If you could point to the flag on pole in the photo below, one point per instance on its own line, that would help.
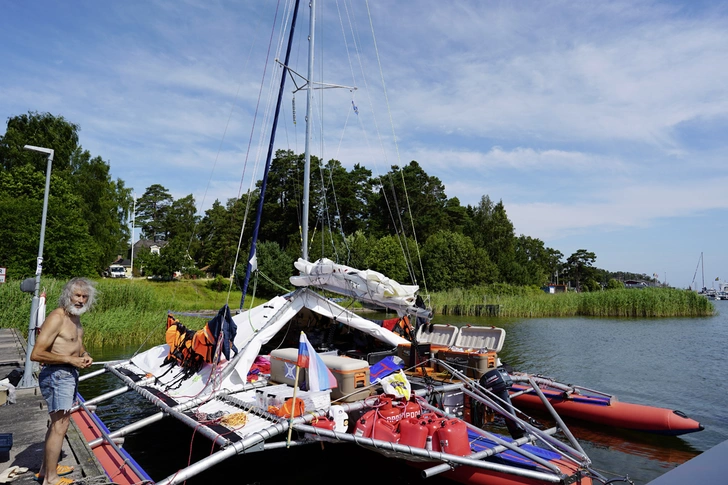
(319, 376)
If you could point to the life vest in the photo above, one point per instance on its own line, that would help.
(181, 352)
(191, 349)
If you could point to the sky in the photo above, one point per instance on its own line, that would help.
(600, 125)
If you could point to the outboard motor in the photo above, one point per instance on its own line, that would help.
(499, 383)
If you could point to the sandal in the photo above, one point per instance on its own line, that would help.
(65, 481)
(61, 470)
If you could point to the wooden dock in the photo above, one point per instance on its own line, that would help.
(27, 420)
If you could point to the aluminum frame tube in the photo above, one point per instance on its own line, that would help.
(203, 430)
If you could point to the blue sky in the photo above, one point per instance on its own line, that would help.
(601, 125)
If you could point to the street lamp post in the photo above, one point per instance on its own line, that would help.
(29, 379)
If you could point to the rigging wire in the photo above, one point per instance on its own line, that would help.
(287, 13)
(396, 145)
(380, 178)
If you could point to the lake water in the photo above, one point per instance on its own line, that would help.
(676, 363)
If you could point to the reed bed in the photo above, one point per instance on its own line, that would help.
(645, 303)
(126, 311)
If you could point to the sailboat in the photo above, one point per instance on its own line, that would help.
(239, 381)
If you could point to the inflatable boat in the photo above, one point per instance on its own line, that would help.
(577, 403)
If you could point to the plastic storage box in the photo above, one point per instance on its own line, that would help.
(475, 350)
(352, 375)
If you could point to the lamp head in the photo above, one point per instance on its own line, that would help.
(47, 151)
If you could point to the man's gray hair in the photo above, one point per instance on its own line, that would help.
(83, 283)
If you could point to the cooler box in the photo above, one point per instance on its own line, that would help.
(431, 339)
(351, 374)
(475, 350)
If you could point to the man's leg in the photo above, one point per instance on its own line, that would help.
(53, 445)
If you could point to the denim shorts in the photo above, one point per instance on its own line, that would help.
(59, 384)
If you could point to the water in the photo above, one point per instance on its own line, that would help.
(674, 363)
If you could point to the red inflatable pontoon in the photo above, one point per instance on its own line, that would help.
(608, 411)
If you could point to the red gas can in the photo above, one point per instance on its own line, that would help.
(413, 432)
(385, 431)
(365, 424)
(324, 422)
(453, 437)
(434, 423)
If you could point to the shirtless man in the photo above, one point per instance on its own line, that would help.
(60, 349)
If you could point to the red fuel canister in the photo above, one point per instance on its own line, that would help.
(453, 437)
(433, 425)
(413, 432)
(385, 431)
(365, 424)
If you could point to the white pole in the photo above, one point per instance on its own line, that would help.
(133, 215)
(309, 121)
(29, 379)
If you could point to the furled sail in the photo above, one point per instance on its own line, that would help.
(365, 285)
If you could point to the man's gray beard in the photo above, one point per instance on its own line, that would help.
(76, 312)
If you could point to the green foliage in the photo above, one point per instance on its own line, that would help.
(452, 261)
(579, 267)
(532, 302)
(218, 283)
(614, 284)
(276, 266)
(151, 212)
(86, 221)
(371, 222)
(127, 311)
(386, 256)
(408, 199)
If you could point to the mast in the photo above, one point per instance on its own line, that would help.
(256, 228)
(309, 112)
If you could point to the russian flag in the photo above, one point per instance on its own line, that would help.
(319, 376)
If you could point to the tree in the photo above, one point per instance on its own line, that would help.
(579, 266)
(452, 261)
(43, 130)
(107, 205)
(275, 264)
(385, 256)
(613, 284)
(151, 212)
(86, 214)
(281, 216)
(538, 262)
(491, 229)
(407, 200)
(342, 198)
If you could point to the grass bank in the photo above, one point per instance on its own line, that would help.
(127, 311)
(647, 302)
(131, 312)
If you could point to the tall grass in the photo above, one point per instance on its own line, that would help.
(126, 312)
(648, 302)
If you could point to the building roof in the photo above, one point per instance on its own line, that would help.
(148, 243)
